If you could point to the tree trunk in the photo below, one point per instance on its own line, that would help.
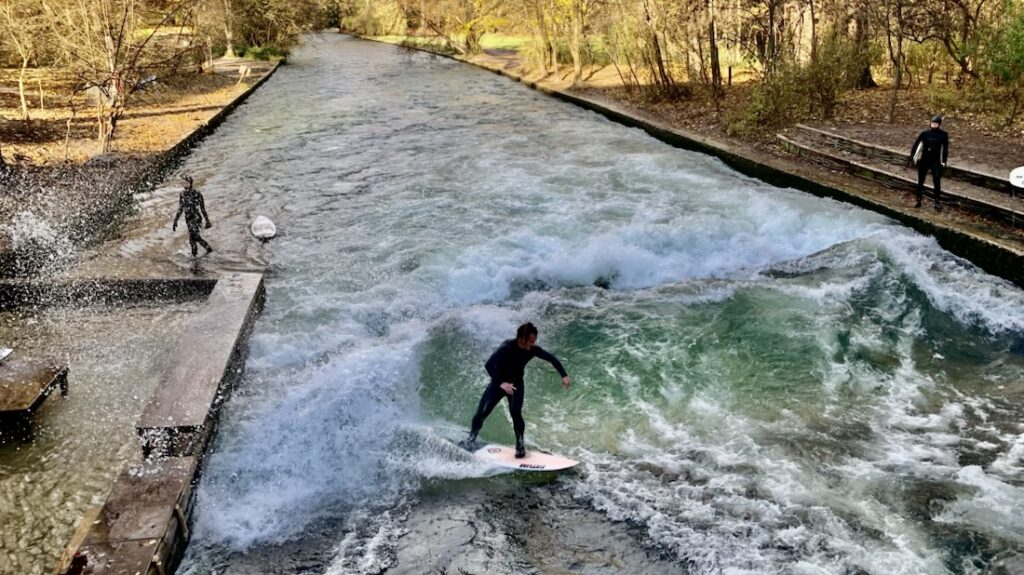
(663, 79)
(814, 33)
(896, 56)
(860, 41)
(770, 60)
(553, 39)
(21, 87)
(545, 49)
(716, 67)
(229, 37)
(473, 36)
(1015, 96)
(101, 128)
(574, 42)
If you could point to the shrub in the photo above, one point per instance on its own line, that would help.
(827, 75)
(266, 53)
(775, 101)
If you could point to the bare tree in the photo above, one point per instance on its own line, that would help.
(21, 24)
(896, 33)
(451, 20)
(229, 34)
(111, 49)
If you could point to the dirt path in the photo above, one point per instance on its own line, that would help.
(159, 117)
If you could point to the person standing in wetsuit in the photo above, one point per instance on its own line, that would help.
(934, 154)
(506, 367)
(192, 205)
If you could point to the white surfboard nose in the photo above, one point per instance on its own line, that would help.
(263, 228)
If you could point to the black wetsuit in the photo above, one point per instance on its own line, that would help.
(192, 205)
(933, 157)
(507, 364)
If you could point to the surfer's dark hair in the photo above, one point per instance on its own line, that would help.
(526, 330)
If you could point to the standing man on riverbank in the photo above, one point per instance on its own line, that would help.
(930, 152)
(506, 367)
(192, 205)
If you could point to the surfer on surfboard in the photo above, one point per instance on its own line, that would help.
(505, 367)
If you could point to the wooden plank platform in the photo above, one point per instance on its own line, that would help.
(181, 412)
(26, 383)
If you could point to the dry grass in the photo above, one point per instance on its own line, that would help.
(159, 116)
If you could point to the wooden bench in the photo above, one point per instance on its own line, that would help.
(26, 383)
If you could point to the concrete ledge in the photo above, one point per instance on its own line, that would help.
(142, 528)
(16, 293)
(181, 414)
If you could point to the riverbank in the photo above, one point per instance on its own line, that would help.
(993, 246)
(56, 198)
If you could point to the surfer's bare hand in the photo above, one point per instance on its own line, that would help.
(508, 388)
(565, 382)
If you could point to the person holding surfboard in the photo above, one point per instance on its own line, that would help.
(192, 205)
(930, 153)
(505, 368)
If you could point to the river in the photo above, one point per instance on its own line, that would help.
(763, 381)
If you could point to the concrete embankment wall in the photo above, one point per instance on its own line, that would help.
(997, 258)
(143, 526)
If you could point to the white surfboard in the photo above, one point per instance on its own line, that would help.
(4, 352)
(263, 228)
(918, 152)
(504, 456)
(1017, 177)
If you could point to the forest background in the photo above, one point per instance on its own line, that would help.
(748, 66)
